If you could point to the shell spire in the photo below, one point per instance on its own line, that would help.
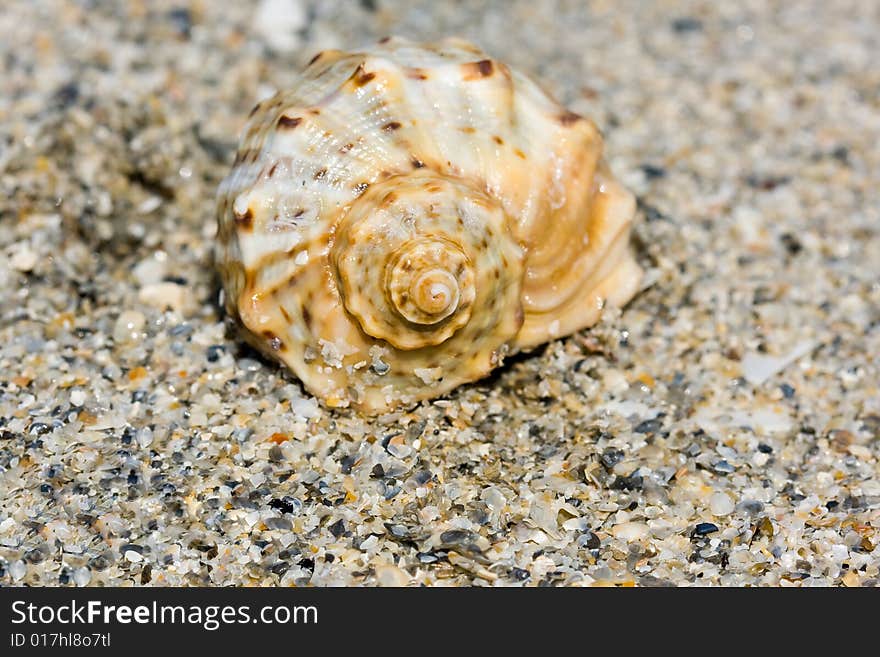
(406, 216)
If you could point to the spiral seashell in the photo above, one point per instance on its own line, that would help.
(407, 216)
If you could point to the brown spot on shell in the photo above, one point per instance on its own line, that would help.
(468, 129)
(285, 313)
(255, 109)
(272, 170)
(477, 70)
(360, 77)
(568, 117)
(417, 163)
(416, 74)
(320, 173)
(519, 153)
(315, 58)
(244, 220)
(391, 126)
(498, 140)
(307, 316)
(288, 122)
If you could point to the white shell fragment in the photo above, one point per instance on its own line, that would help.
(407, 216)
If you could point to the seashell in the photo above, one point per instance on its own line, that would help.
(407, 216)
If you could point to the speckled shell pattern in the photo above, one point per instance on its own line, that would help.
(407, 216)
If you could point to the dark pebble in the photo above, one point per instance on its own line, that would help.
(214, 352)
(787, 391)
(456, 537)
(181, 329)
(280, 568)
(686, 24)
(423, 476)
(631, 482)
(378, 471)
(649, 426)
(841, 154)
(337, 528)
(853, 502)
(400, 531)
(705, 528)
(66, 95)
(791, 243)
(652, 172)
(589, 540)
(100, 562)
(181, 19)
(346, 463)
(764, 448)
(37, 555)
(38, 429)
(611, 457)
(519, 574)
(723, 467)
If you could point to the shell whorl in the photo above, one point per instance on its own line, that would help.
(405, 216)
(418, 256)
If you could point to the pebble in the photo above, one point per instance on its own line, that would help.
(391, 576)
(77, 397)
(145, 437)
(721, 504)
(278, 23)
(82, 576)
(152, 269)
(133, 556)
(129, 326)
(23, 259)
(17, 570)
(704, 528)
(630, 531)
(164, 295)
